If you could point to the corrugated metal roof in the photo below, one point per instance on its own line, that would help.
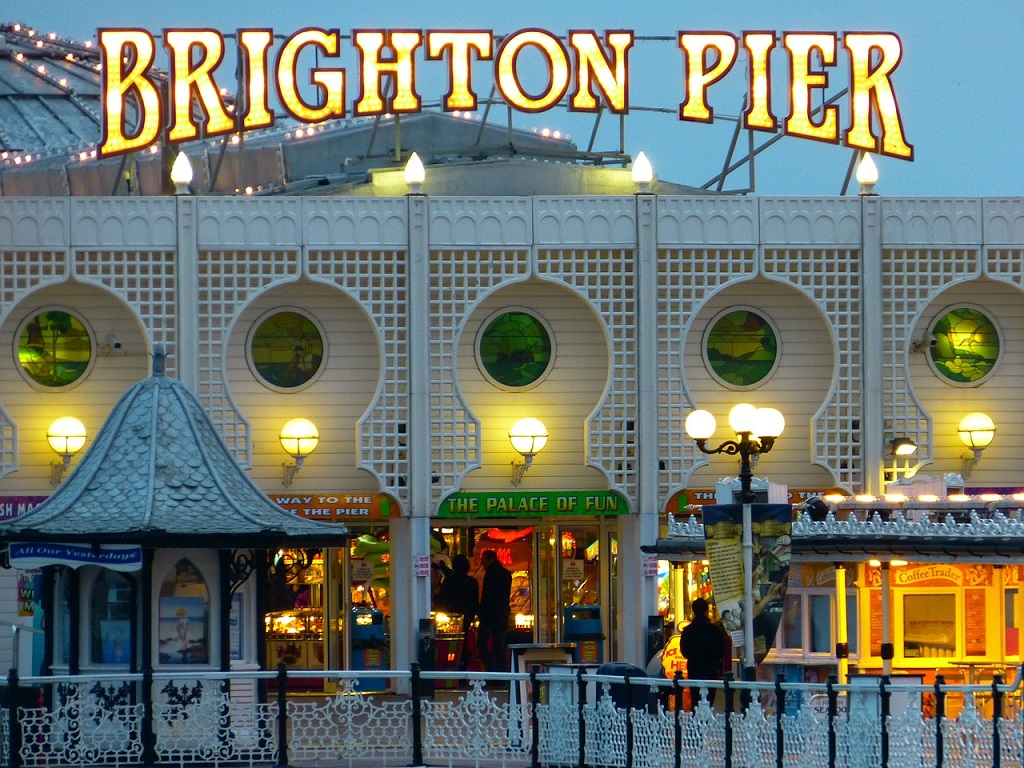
(158, 473)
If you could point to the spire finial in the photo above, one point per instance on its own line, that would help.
(159, 359)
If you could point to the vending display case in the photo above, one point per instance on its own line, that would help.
(296, 638)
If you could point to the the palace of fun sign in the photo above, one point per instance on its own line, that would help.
(586, 70)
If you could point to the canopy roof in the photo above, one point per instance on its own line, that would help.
(158, 474)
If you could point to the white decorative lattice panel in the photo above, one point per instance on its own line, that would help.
(377, 280)
(832, 280)
(229, 279)
(458, 280)
(686, 279)
(607, 279)
(147, 282)
(912, 279)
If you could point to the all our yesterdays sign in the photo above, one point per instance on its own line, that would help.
(586, 71)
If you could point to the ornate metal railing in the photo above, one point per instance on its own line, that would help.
(563, 716)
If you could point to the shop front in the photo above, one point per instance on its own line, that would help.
(562, 551)
(331, 608)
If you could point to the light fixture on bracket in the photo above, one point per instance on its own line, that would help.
(299, 438)
(527, 436)
(902, 446)
(976, 431)
(66, 437)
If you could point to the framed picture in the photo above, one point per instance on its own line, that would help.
(116, 641)
(183, 631)
(236, 627)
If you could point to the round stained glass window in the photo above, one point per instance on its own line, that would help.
(964, 345)
(286, 349)
(741, 348)
(54, 348)
(514, 348)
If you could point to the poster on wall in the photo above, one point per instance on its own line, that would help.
(183, 631)
(771, 533)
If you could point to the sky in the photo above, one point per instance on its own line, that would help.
(960, 84)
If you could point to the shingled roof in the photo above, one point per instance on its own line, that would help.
(158, 474)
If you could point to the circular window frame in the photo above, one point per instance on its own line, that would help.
(90, 334)
(930, 338)
(479, 339)
(252, 364)
(706, 335)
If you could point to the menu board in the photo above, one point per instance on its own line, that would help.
(974, 621)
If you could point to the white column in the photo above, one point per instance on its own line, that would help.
(873, 419)
(410, 543)
(186, 351)
(637, 592)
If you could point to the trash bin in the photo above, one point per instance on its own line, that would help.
(369, 648)
(638, 695)
(582, 625)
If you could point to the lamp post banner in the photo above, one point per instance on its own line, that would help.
(771, 526)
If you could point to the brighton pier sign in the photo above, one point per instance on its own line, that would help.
(587, 70)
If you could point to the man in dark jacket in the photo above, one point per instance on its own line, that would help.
(460, 593)
(494, 610)
(703, 644)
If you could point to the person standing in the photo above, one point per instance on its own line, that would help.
(459, 593)
(704, 646)
(494, 611)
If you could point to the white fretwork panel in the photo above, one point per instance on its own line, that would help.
(468, 221)
(832, 279)
(1006, 264)
(936, 223)
(911, 280)
(22, 272)
(687, 278)
(708, 220)
(803, 222)
(458, 281)
(34, 223)
(607, 280)
(1004, 221)
(147, 281)
(227, 281)
(351, 222)
(230, 222)
(377, 280)
(125, 222)
(599, 221)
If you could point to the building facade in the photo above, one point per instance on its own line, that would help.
(417, 329)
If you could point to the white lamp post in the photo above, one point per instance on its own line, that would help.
(756, 430)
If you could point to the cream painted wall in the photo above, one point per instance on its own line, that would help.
(563, 400)
(798, 386)
(334, 401)
(999, 395)
(34, 408)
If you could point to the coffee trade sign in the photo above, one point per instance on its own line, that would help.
(592, 69)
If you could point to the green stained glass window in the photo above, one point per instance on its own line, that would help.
(54, 348)
(965, 345)
(741, 348)
(286, 349)
(515, 349)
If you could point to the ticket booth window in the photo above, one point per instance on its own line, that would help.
(110, 603)
(1011, 634)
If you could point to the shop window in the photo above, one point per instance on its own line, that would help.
(184, 629)
(515, 349)
(1011, 635)
(54, 348)
(929, 625)
(808, 624)
(286, 350)
(964, 345)
(741, 348)
(110, 612)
